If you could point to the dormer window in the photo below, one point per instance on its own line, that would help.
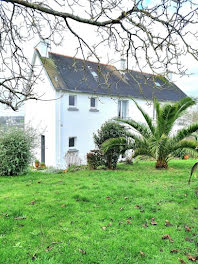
(157, 84)
(93, 73)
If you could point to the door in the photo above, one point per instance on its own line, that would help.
(42, 148)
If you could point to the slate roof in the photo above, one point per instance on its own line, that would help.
(76, 75)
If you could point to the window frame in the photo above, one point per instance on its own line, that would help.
(120, 104)
(75, 100)
(93, 107)
(74, 146)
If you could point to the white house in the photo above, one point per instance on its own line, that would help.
(78, 96)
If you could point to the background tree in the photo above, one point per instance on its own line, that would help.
(152, 35)
(157, 140)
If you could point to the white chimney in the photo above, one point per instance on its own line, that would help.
(43, 47)
(122, 64)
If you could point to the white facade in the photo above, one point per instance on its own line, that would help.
(61, 124)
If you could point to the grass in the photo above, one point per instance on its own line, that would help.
(100, 216)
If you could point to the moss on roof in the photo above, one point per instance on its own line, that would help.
(52, 72)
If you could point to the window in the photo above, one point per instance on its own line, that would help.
(94, 74)
(122, 108)
(157, 84)
(72, 100)
(93, 102)
(72, 142)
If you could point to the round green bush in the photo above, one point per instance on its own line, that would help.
(15, 151)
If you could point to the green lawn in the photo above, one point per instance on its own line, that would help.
(100, 216)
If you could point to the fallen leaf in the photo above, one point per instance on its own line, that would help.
(137, 207)
(63, 205)
(167, 223)
(129, 222)
(174, 251)
(49, 248)
(82, 251)
(108, 197)
(142, 254)
(110, 224)
(187, 228)
(145, 225)
(192, 258)
(104, 227)
(167, 237)
(33, 202)
(20, 218)
(153, 222)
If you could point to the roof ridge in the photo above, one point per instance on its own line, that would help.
(67, 56)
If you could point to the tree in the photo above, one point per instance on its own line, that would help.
(149, 34)
(108, 130)
(157, 140)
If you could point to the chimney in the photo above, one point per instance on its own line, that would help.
(122, 64)
(43, 47)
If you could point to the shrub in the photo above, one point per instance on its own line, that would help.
(15, 151)
(110, 129)
(95, 159)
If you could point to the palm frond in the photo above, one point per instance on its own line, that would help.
(142, 152)
(146, 117)
(169, 113)
(122, 143)
(192, 171)
(188, 144)
(183, 104)
(185, 132)
(139, 127)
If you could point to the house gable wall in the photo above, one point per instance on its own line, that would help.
(41, 115)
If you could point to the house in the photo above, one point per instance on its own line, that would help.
(78, 96)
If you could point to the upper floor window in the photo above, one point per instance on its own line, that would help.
(93, 102)
(122, 108)
(72, 100)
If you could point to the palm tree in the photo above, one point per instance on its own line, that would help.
(157, 139)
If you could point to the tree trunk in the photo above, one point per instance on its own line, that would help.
(161, 164)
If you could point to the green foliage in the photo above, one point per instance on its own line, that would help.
(110, 129)
(95, 159)
(157, 140)
(15, 151)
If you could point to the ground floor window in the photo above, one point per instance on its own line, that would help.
(72, 142)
